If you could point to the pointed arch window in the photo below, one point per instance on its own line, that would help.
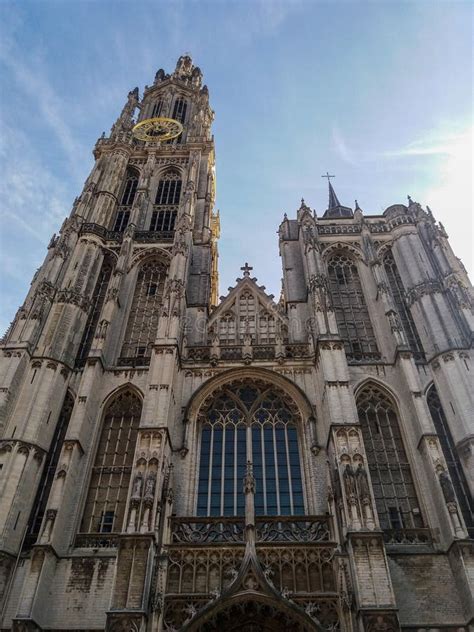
(227, 329)
(129, 188)
(157, 107)
(98, 299)
(350, 308)
(463, 494)
(169, 189)
(398, 293)
(142, 324)
(179, 110)
(47, 476)
(248, 314)
(392, 481)
(252, 422)
(108, 488)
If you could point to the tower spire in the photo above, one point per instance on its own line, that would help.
(333, 201)
(335, 208)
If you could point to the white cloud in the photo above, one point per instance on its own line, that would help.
(34, 82)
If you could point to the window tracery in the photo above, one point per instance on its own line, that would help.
(394, 489)
(464, 497)
(350, 308)
(398, 293)
(98, 299)
(255, 422)
(129, 188)
(247, 317)
(142, 324)
(47, 476)
(157, 107)
(108, 488)
(169, 188)
(179, 110)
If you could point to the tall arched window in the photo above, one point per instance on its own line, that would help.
(167, 199)
(169, 188)
(463, 494)
(398, 293)
(156, 110)
(256, 422)
(179, 110)
(108, 487)
(98, 299)
(142, 324)
(47, 476)
(352, 315)
(129, 190)
(392, 481)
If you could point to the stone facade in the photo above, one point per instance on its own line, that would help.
(121, 364)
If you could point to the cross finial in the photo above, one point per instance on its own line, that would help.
(246, 269)
(328, 176)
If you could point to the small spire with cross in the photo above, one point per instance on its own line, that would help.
(246, 269)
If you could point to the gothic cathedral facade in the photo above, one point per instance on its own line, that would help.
(175, 461)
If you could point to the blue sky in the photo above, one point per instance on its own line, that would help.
(378, 93)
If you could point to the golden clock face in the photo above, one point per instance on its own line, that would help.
(157, 129)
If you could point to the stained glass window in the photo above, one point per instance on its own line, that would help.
(256, 423)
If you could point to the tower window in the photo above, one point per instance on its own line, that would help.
(108, 489)
(47, 477)
(121, 221)
(142, 324)
(249, 421)
(179, 110)
(106, 522)
(129, 188)
(163, 220)
(157, 107)
(394, 490)
(350, 308)
(169, 189)
(398, 293)
(98, 298)
(465, 500)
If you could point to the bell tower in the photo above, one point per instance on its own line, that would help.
(135, 261)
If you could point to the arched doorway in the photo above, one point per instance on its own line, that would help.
(254, 615)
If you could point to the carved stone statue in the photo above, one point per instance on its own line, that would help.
(137, 486)
(447, 488)
(349, 481)
(362, 482)
(249, 480)
(150, 487)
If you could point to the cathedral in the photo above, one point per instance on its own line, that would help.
(172, 460)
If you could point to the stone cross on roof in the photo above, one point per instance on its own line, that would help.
(246, 269)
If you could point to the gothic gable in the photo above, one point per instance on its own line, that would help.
(248, 312)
